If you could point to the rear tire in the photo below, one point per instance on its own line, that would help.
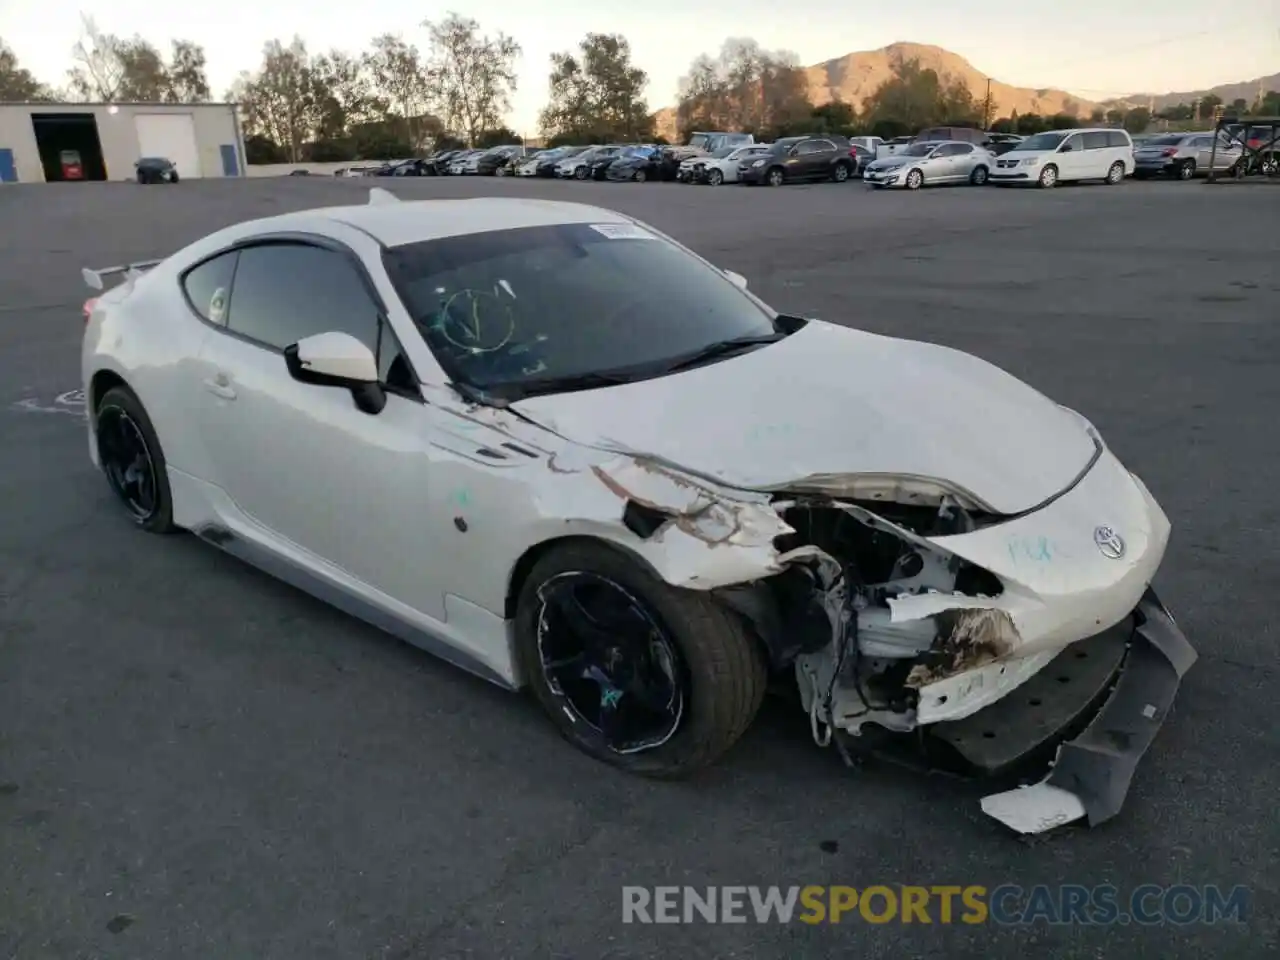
(841, 172)
(120, 416)
(979, 176)
(720, 669)
(1186, 169)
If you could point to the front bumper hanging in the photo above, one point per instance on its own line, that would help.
(1091, 774)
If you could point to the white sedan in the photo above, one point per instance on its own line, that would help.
(722, 166)
(559, 449)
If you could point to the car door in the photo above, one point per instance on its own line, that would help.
(1073, 164)
(299, 465)
(818, 161)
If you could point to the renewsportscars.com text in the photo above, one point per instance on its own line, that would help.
(1068, 904)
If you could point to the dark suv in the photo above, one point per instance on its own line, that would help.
(156, 170)
(800, 159)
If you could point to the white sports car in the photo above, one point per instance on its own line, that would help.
(558, 448)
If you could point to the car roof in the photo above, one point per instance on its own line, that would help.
(395, 224)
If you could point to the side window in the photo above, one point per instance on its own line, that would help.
(1117, 138)
(824, 146)
(208, 287)
(807, 147)
(961, 149)
(287, 291)
(1095, 141)
(1075, 143)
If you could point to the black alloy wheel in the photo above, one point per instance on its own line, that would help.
(609, 661)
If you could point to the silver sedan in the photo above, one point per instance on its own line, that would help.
(947, 161)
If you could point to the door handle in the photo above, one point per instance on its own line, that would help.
(220, 386)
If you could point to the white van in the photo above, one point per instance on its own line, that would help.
(1054, 156)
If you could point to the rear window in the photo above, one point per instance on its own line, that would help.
(506, 307)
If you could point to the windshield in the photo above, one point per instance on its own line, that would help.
(1043, 141)
(512, 307)
(918, 150)
(700, 140)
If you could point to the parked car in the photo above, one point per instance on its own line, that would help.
(1001, 143)
(599, 166)
(496, 162)
(1185, 155)
(636, 163)
(571, 166)
(722, 166)
(437, 164)
(156, 170)
(1264, 147)
(1050, 158)
(546, 162)
(436, 373)
(869, 144)
(710, 142)
(929, 163)
(972, 135)
(887, 148)
(583, 166)
(799, 159)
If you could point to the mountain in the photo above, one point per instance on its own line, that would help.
(855, 76)
(1227, 92)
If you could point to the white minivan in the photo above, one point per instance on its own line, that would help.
(1049, 158)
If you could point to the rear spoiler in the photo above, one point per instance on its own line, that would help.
(94, 278)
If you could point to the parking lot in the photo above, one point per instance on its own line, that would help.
(197, 761)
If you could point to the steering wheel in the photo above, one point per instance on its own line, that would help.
(475, 322)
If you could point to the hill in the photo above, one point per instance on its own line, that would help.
(1246, 90)
(855, 76)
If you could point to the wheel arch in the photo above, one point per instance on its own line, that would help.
(750, 602)
(523, 567)
(102, 381)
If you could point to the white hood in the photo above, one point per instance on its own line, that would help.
(833, 401)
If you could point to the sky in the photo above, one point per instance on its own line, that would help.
(1098, 50)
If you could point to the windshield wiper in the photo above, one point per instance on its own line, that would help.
(523, 389)
(721, 348)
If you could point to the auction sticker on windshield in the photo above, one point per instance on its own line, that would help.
(622, 231)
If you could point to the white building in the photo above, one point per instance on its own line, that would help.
(38, 140)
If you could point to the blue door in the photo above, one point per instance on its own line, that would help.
(230, 163)
(8, 172)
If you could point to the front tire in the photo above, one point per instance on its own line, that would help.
(1048, 177)
(1186, 170)
(580, 173)
(715, 177)
(634, 672)
(133, 460)
(776, 178)
(915, 180)
(640, 176)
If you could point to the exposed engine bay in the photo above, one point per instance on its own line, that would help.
(854, 664)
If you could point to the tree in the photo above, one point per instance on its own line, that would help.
(17, 83)
(144, 78)
(1028, 124)
(109, 68)
(744, 88)
(1115, 117)
(597, 93)
(1137, 119)
(344, 95)
(1208, 103)
(1097, 115)
(474, 74)
(1063, 121)
(280, 101)
(400, 83)
(188, 82)
(98, 71)
(498, 137)
(920, 98)
(1269, 105)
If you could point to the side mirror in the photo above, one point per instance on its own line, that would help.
(737, 279)
(338, 360)
(1066, 148)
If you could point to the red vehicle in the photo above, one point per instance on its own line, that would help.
(72, 169)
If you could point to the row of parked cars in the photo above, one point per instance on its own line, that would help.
(935, 156)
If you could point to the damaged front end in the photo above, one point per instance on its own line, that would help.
(898, 642)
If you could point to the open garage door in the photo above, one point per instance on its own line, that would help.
(170, 135)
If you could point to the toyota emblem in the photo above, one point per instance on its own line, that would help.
(1110, 543)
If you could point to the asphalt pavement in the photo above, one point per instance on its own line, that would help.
(197, 761)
